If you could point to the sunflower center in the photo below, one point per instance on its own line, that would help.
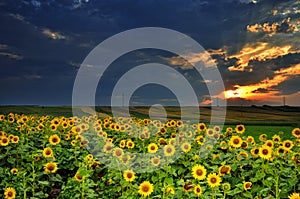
(265, 151)
(240, 128)
(244, 145)
(79, 177)
(108, 148)
(256, 151)
(236, 141)
(224, 170)
(198, 189)
(129, 175)
(287, 145)
(152, 147)
(186, 146)
(10, 194)
(169, 150)
(118, 152)
(213, 180)
(199, 172)
(50, 167)
(248, 185)
(48, 152)
(145, 188)
(269, 144)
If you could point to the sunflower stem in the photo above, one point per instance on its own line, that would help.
(82, 189)
(276, 183)
(214, 193)
(24, 186)
(33, 178)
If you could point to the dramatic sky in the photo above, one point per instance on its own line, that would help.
(254, 43)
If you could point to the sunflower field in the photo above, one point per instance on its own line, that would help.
(94, 157)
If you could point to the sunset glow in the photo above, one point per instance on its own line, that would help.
(263, 89)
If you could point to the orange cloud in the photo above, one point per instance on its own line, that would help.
(260, 51)
(185, 61)
(250, 91)
(206, 102)
(53, 35)
(284, 27)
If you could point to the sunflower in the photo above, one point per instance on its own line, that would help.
(172, 141)
(162, 141)
(14, 171)
(224, 169)
(287, 145)
(276, 138)
(152, 148)
(108, 147)
(76, 129)
(269, 143)
(15, 139)
(280, 150)
(262, 137)
(40, 127)
(145, 188)
(53, 127)
(247, 185)
(130, 144)
(10, 193)
(65, 124)
(4, 141)
(294, 196)
(296, 132)
(122, 143)
(235, 141)
(118, 152)
(169, 150)
(200, 139)
(129, 175)
(201, 127)
(210, 132)
(255, 152)
(188, 186)
(186, 147)
(229, 130)
(78, 177)
(88, 158)
(250, 139)
(244, 145)
(73, 142)
(155, 161)
(125, 159)
(265, 152)
(179, 123)
(242, 155)
(170, 190)
(213, 180)
(47, 152)
(54, 139)
(50, 167)
(197, 190)
(226, 186)
(240, 129)
(199, 172)
(223, 145)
